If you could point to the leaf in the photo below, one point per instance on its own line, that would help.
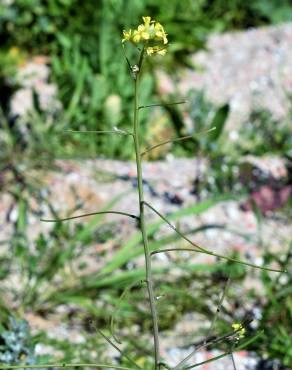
(219, 122)
(64, 40)
(22, 216)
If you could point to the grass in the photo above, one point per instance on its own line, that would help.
(113, 278)
(114, 297)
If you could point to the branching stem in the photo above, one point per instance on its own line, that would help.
(149, 280)
(207, 343)
(123, 354)
(198, 248)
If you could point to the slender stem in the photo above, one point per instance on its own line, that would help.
(230, 259)
(201, 249)
(90, 214)
(177, 139)
(117, 131)
(218, 309)
(205, 342)
(149, 280)
(238, 347)
(122, 353)
(64, 365)
(232, 360)
(113, 318)
(126, 58)
(161, 104)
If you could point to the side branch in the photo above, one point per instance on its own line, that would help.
(113, 317)
(90, 214)
(114, 131)
(177, 139)
(162, 104)
(122, 353)
(201, 249)
(208, 341)
(239, 347)
(64, 365)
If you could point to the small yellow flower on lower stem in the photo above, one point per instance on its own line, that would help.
(240, 330)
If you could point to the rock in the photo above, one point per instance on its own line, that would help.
(34, 76)
(247, 69)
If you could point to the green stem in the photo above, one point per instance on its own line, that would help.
(89, 214)
(117, 131)
(200, 249)
(241, 346)
(161, 104)
(122, 353)
(177, 139)
(205, 343)
(149, 280)
(64, 365)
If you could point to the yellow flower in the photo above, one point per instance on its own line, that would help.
(127, 35)
(143, 32)
(152, 50)
(239, 329)
(160, 33)
(145, 35)
(148, 32)
(147, 20)
(22, 357)
(136, 37)
(161, 52)
(161, 36)
(14, 51)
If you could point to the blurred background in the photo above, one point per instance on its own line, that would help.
(62, 68)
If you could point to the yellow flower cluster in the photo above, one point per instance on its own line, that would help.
(239, 329)
(149, 31)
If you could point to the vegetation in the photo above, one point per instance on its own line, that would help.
(87, 64)
(82, 41)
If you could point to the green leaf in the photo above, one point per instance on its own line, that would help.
(219, 122)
